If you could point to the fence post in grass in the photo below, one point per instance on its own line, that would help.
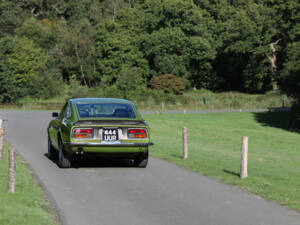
(185, 143)
(162, 107)
(11, 172)
(244, 158)
(1, 139)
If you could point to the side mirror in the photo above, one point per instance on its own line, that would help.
(55, 114)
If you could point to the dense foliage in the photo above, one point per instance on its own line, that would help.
(116, 47)
(168, 83)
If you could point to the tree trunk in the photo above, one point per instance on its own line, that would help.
(273, 65)
(114, 14)
(81, 67)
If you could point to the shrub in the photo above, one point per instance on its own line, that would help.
(140, 94)
(74, 89)
(113, 92)
(130, 80)
(168, 83)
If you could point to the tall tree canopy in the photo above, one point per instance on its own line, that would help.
(249, 46)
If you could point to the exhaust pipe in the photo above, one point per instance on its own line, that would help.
(79, 151)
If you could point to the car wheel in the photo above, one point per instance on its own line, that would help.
(142, 160)
(52, 153)
(63, 159)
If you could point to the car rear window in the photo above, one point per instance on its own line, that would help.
(98, 110)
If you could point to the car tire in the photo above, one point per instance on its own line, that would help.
(142, 160)
(64, 160)
(52, 153)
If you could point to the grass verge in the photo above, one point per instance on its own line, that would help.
(214, 142)
(28, 206)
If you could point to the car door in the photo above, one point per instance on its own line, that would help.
(65, 123)
(55, 127)
(52, 132)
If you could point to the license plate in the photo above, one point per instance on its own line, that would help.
(110, 135)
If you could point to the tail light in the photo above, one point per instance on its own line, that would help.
(137, 133)
(82, 133)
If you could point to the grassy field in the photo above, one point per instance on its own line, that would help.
(28, 206)
(192, 100)
(215, 150)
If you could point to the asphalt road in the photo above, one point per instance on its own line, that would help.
(161, 194)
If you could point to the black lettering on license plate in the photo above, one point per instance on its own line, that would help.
(110, 135)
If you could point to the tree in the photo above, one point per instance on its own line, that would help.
(24, 71)
(115, 51)
(174, 37)
(290, 78)
(247, 46)
(41, 32)
(245, 30)
(11, 16)
(75, 52)
(111, 8)
(290, 72)
(7, 89)
(20, 64)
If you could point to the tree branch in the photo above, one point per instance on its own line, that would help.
(272, 45)
(56, 9)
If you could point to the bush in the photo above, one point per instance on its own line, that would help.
(130, 81)
(113, 92)
(48, 84)
(75, 90)
(168, 83)
(140, 94)
(22, 67)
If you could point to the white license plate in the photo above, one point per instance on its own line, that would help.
(110, 135)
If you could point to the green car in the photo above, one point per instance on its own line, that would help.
(98, 127)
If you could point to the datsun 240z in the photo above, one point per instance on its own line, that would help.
(98, 127)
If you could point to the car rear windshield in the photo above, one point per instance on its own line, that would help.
(113, 110)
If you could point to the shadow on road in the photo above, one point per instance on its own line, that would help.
(99, 163)
(274, 119)
(89, 163)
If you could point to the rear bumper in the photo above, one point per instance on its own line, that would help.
(91, 144)
(99, 148)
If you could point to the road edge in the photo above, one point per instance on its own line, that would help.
(57, 213)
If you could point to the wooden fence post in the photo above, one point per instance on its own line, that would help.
(244, 158)
(184, 143)
(162, 107)
(11, 172)
(1, 139)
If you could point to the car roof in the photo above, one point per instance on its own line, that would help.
(99, 100)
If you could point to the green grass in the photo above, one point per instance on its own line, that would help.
(192, 100)
(235, 100)
(28, 205)
(214, 142)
